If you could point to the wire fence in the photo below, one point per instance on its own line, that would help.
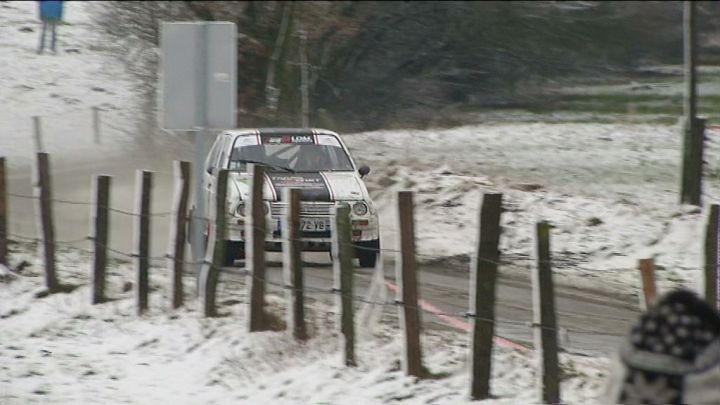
(465, 316)
(509, 258)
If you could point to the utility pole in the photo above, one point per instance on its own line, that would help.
(304, 80)
(694, 127)
(272, 93)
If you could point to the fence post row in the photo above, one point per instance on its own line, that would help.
(292, 264)
(100, 237)
(96, 124)
(46, 218)
(482, 297)
(178, 230)
(144, 183)
(37, 135)
(407, 286)
(647, 276)
(343, 276)
(544, 318)
(255, 230)
(712, 257)
(3, 215)
(216, 248)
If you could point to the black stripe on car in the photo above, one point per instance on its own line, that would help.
(312, 186)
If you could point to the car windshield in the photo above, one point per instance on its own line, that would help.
(326, 155)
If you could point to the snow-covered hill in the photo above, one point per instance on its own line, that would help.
(60, 88)
(609, 190)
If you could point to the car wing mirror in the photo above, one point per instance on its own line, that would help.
(364, 170)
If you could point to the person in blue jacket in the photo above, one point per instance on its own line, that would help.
(51, 15)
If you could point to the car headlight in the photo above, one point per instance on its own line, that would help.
(240, 209)
(360, 208)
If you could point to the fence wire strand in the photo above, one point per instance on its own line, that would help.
(512, 258)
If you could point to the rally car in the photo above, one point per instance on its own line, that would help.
(317, 162)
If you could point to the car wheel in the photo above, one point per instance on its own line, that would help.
(368, 252)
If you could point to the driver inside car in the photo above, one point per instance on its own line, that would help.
(311, 158)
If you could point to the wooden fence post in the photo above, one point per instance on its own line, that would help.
(407, 286)
(100, 237)
(343, 277)
(44, 190)
(144, 184)
(255, 230)
(647, 275)
(96, 124)
(544, 318)
(482, 299)
(3, 215)
(178, 230)
(216, 247)
(292, 264)
(712, 252)
(37, 135)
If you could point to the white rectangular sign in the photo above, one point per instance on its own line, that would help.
(198, 75)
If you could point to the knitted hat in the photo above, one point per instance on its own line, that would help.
(672, 356)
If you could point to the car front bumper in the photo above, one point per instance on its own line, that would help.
(318, 221)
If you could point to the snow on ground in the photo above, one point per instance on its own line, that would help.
(60, 88)
(609, 190)
(60, 349)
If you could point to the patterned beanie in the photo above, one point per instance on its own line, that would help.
(672, 356)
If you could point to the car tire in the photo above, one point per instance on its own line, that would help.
(233, 250)
(368, 252)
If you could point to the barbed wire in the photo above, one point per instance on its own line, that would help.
(454, 315)
(85, 203)
(462, 316)
(502, 262)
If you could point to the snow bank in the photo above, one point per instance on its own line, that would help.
(60, 350)
(609, 190)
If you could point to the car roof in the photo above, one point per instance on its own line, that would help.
(278, 131)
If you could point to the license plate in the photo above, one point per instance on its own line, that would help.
(314, 225)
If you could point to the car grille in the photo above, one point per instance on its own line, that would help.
(312, 209)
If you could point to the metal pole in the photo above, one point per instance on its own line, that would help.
(717, 264)
(304, 80)
(199, 216)
(691, 186)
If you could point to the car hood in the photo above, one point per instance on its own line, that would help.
(316, 186)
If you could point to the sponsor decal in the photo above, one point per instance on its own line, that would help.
(312, 186)
(287, 139)
(329, 140)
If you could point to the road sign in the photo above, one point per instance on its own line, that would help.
(198, 77)
(198, 90)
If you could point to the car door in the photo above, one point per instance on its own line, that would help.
(209, 180)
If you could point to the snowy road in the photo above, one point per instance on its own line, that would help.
(591, 323)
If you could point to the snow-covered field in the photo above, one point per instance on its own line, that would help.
(61, 350)
(609, 190)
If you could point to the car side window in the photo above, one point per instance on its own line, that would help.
(224, 146)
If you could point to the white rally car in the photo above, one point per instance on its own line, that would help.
(317, 162)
